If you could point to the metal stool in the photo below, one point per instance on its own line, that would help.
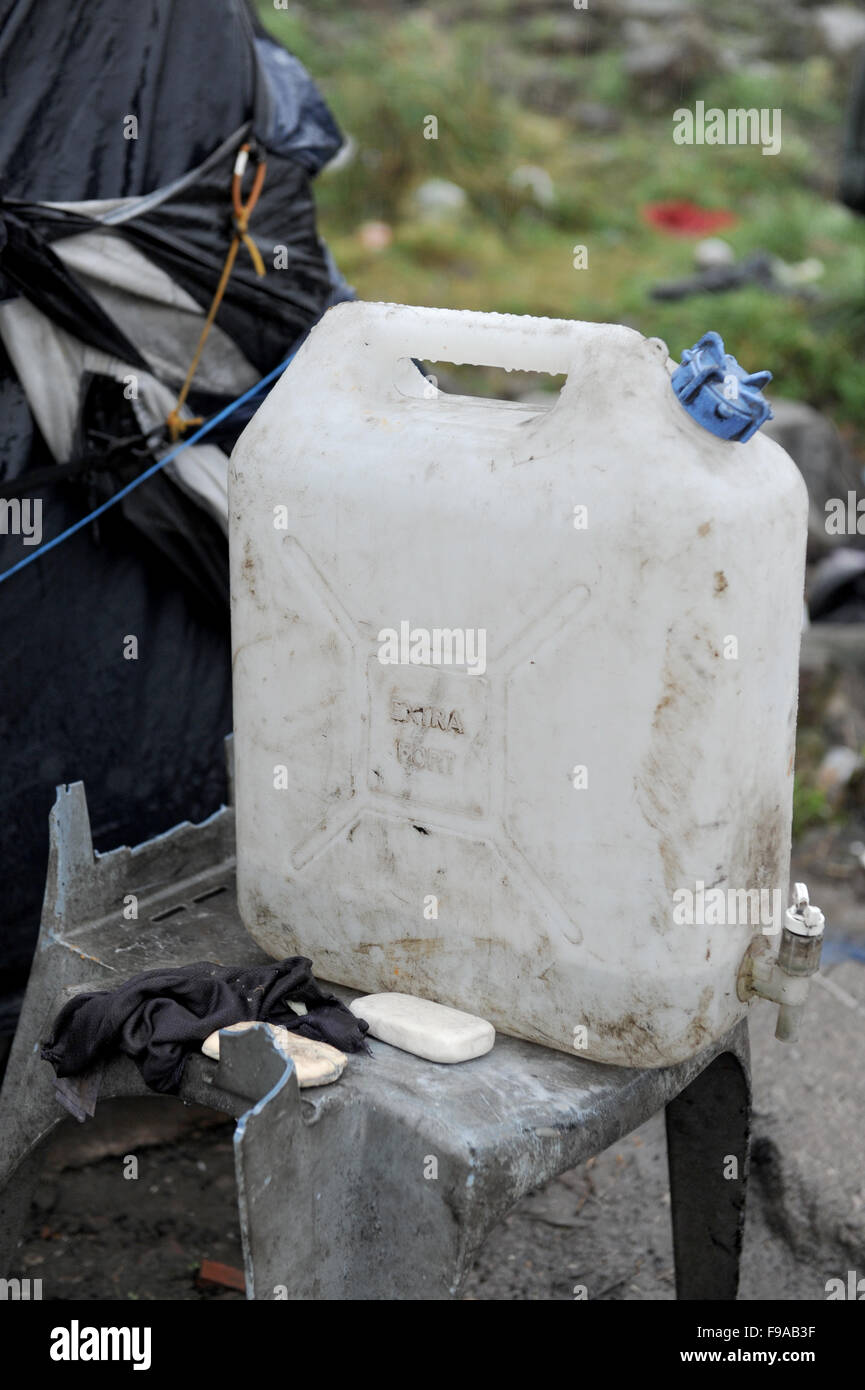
(334, 1184)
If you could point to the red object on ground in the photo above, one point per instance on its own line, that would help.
(222, 1276)
(681, 218)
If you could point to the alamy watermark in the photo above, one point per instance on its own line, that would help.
(22, 516)
(713, 907)
(852, 1288)
(845, 518)
(18, 1290)
(438, 646)
(737, 126)
(77, 1343)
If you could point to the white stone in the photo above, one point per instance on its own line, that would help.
(316, 1063)
(437, 199)
(428, 1030)
(536, 181)
(841, 28)
(713, 251)
(836, 769)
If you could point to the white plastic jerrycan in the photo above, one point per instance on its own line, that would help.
(515, 687)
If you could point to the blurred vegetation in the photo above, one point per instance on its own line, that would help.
(506, 80)
(509, 82)
(810, 807)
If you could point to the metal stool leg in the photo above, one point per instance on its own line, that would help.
(708, 1132)
(336, 1209)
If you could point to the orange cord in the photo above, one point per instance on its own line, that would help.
(242, 212)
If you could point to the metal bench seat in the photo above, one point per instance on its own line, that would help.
(385, 1184)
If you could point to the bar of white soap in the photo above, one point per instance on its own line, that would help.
(426, 1029)
(315, 1063)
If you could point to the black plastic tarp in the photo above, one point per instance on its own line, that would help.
(198, 78)
(72, 72)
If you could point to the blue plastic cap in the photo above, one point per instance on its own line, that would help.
(718, 393)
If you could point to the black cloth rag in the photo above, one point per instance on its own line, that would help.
(158, 1017)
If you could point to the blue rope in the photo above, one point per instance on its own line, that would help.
(149, 472)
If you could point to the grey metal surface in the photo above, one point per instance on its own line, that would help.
(384, 1185)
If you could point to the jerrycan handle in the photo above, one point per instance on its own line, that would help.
(371, 338)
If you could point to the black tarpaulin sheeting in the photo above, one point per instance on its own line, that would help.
(72, 71)
(198, 78)
(145, 736)
(852, 180)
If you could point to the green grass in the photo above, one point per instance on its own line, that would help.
(810, 807)
(384, 70)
